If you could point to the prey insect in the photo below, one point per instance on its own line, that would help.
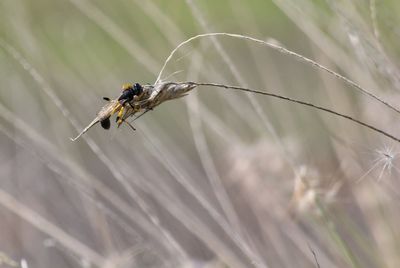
(137, 98)
(143, 98)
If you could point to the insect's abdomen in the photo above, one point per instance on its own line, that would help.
(105, 123)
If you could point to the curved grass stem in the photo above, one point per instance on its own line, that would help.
(283, 51)
(314, 106)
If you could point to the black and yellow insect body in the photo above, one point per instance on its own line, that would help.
(137, 98)
(130, 94)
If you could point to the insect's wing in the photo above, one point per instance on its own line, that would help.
(102, 116)
(94, 122)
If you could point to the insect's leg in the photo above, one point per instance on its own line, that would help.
(132, 106)
(115, 109)
(136, 107)
(119, 116)
(129, 124)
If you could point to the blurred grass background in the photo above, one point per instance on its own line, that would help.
(209, 180)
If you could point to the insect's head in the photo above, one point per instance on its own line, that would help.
(129, 91)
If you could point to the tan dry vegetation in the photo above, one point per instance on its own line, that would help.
(218, 178)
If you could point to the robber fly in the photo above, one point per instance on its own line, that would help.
(126, 103)
(137, 98)
(130, 95)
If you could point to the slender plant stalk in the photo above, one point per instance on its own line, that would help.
(44, 86)
(372, 9)
(283, 51)
(336, 237)
(315, 256)
(49, 228)
(354, 120)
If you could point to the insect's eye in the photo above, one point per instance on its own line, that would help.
(138, 89)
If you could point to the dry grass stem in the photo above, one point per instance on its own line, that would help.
(354, 120)
(47, 227)
(283, 51)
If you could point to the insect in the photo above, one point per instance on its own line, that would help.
(136, 98)
(130, 94)
(143, 98)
